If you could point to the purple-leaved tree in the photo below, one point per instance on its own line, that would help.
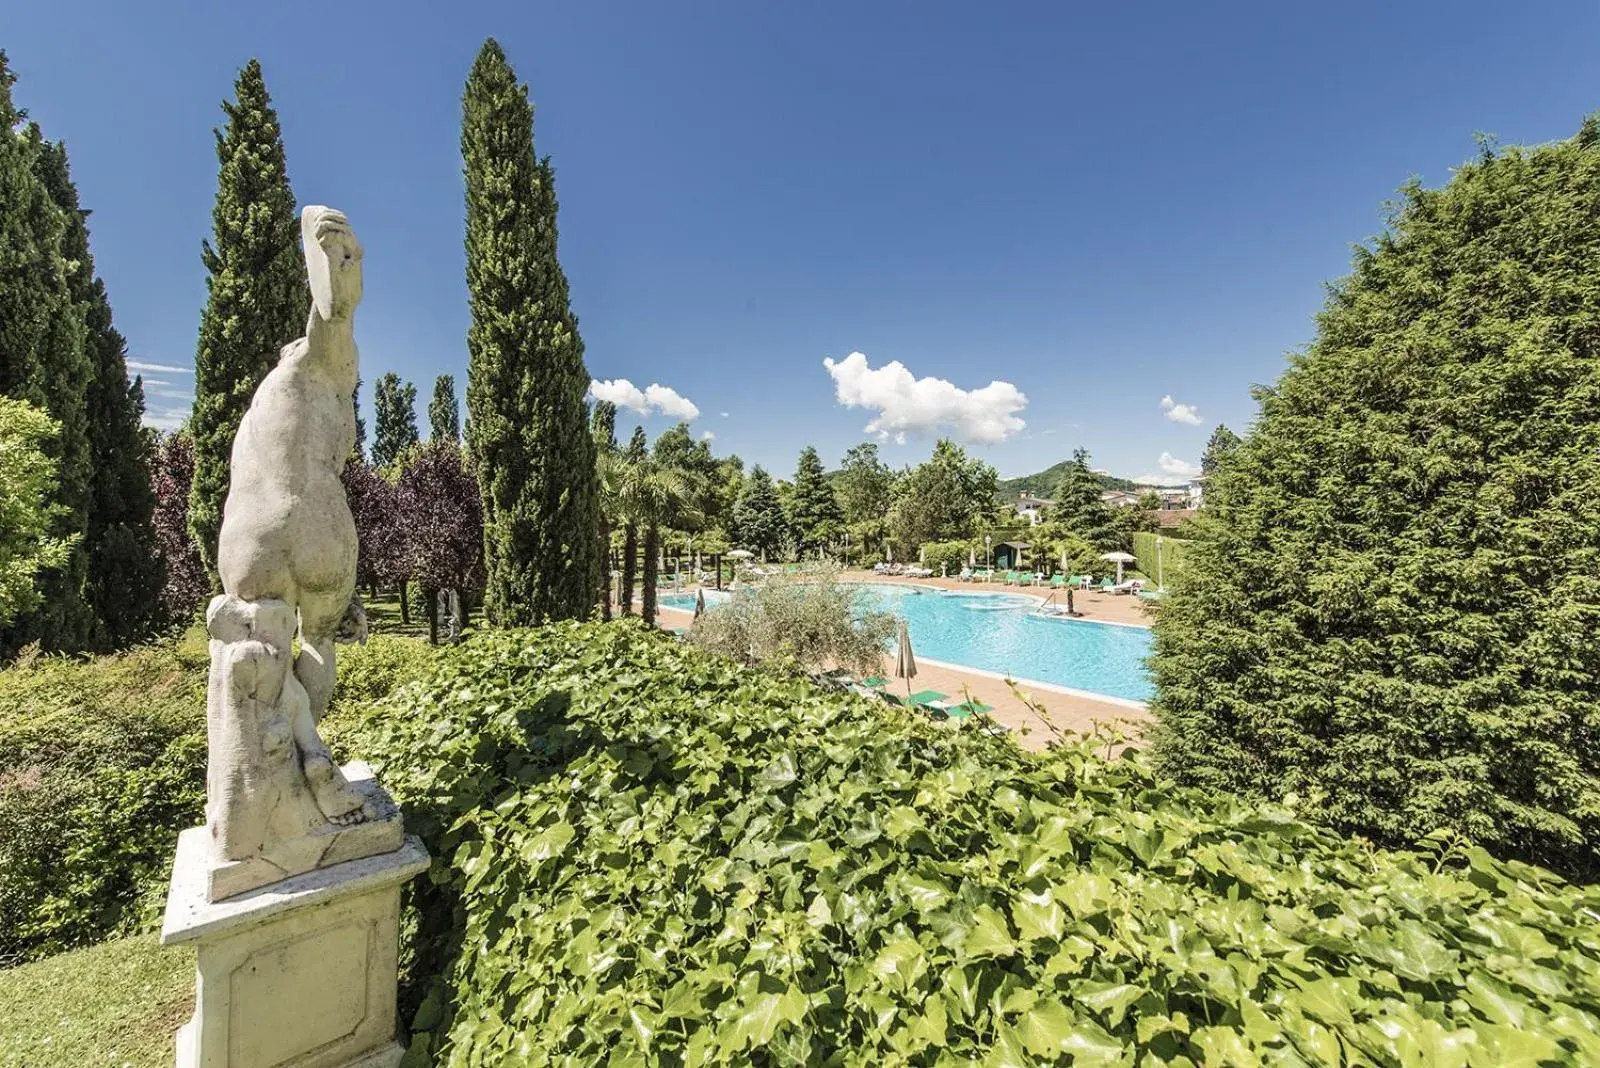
(442, 516)
(171, 474)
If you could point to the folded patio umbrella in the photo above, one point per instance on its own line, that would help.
(905, 662)
(699, 603)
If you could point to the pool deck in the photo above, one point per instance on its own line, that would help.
(1057, 710)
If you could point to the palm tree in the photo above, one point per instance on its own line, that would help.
(652, 495)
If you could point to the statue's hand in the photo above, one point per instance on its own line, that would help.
(353, 627)
(333, 262)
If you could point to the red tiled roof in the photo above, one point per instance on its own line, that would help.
(1171, 517)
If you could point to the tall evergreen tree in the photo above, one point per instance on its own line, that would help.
(817, 517)
(1079, 506)
(758, 513)
(603, 428)
(1223, 442)
(444, 415)
(256, 293)
(1391, 603)
(636, 452)
(43, 361)
(124, 569)
(395, 413)
(527, 419)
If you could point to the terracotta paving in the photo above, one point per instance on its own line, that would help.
(1054, 712)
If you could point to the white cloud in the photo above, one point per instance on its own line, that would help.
(708, 436)
(670, 402)
(1180, 413)
(654, 397)
(909, 406)
(724, 415)
(171, 394)
(1173, 470)
(164, 368)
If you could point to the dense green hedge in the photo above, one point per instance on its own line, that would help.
(643, 854)
(1172, 556)
(949, 556)
(1392, 599)
(102, 763)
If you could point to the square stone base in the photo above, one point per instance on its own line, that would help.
(298, 974)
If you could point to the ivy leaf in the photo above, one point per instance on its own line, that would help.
(756, 1022)
(1112, 999)
(990, 935)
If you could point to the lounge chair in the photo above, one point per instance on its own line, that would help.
(966, 574)
(1131, 586)
(926, 699)
(1058, 581)
(967, 709)
(1107, 584)
(874, 682)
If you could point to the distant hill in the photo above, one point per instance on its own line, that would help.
(1044, 483)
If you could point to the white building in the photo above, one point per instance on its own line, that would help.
(1120, 498)
(1029, 507)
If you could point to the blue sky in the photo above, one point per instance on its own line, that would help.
(1099, 208)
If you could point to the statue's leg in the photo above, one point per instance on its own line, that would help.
(314, 675)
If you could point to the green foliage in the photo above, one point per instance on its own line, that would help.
(1222, 444)
(644, 853)
(256, 293)
(943, 499)
(949, 556)
(1391, 600)
(807, 620)
(27, 507)
(395, 415)
(43, 362)
(865, 484)
(1078, 505)
(527, 423)
(1164, 565)
(116, 1004)
(444, 414)
(816, 516)
(1054, 541)
(758, 517)
(102, 763)
(124, 577)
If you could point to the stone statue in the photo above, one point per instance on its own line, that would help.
(276, 803)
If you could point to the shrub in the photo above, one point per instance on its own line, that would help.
(644, 853)
(102, 763)
(1392, 599)
(950, 556)
(806, 619)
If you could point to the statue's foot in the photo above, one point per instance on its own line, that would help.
(341, 804)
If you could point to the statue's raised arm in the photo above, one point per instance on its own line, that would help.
(276, 803)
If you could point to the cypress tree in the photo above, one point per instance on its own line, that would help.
(528, 422)
(257, 295)
(636, 452)
(817, 515)
(125, 577)
(43, 361)
(444, 415)
(359, 453)
(395, 412)
(1391, 603)
(603, 428)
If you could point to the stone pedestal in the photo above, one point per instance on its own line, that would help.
(297, 974)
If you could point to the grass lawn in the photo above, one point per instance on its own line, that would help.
(115, 1005)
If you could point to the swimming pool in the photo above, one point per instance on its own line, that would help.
(1001, 632)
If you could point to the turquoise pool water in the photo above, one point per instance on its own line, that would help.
(1001, 632)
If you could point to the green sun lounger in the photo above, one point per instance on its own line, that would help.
(874, 682)
(1107, 584)
(925, 698)
(967, 709)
